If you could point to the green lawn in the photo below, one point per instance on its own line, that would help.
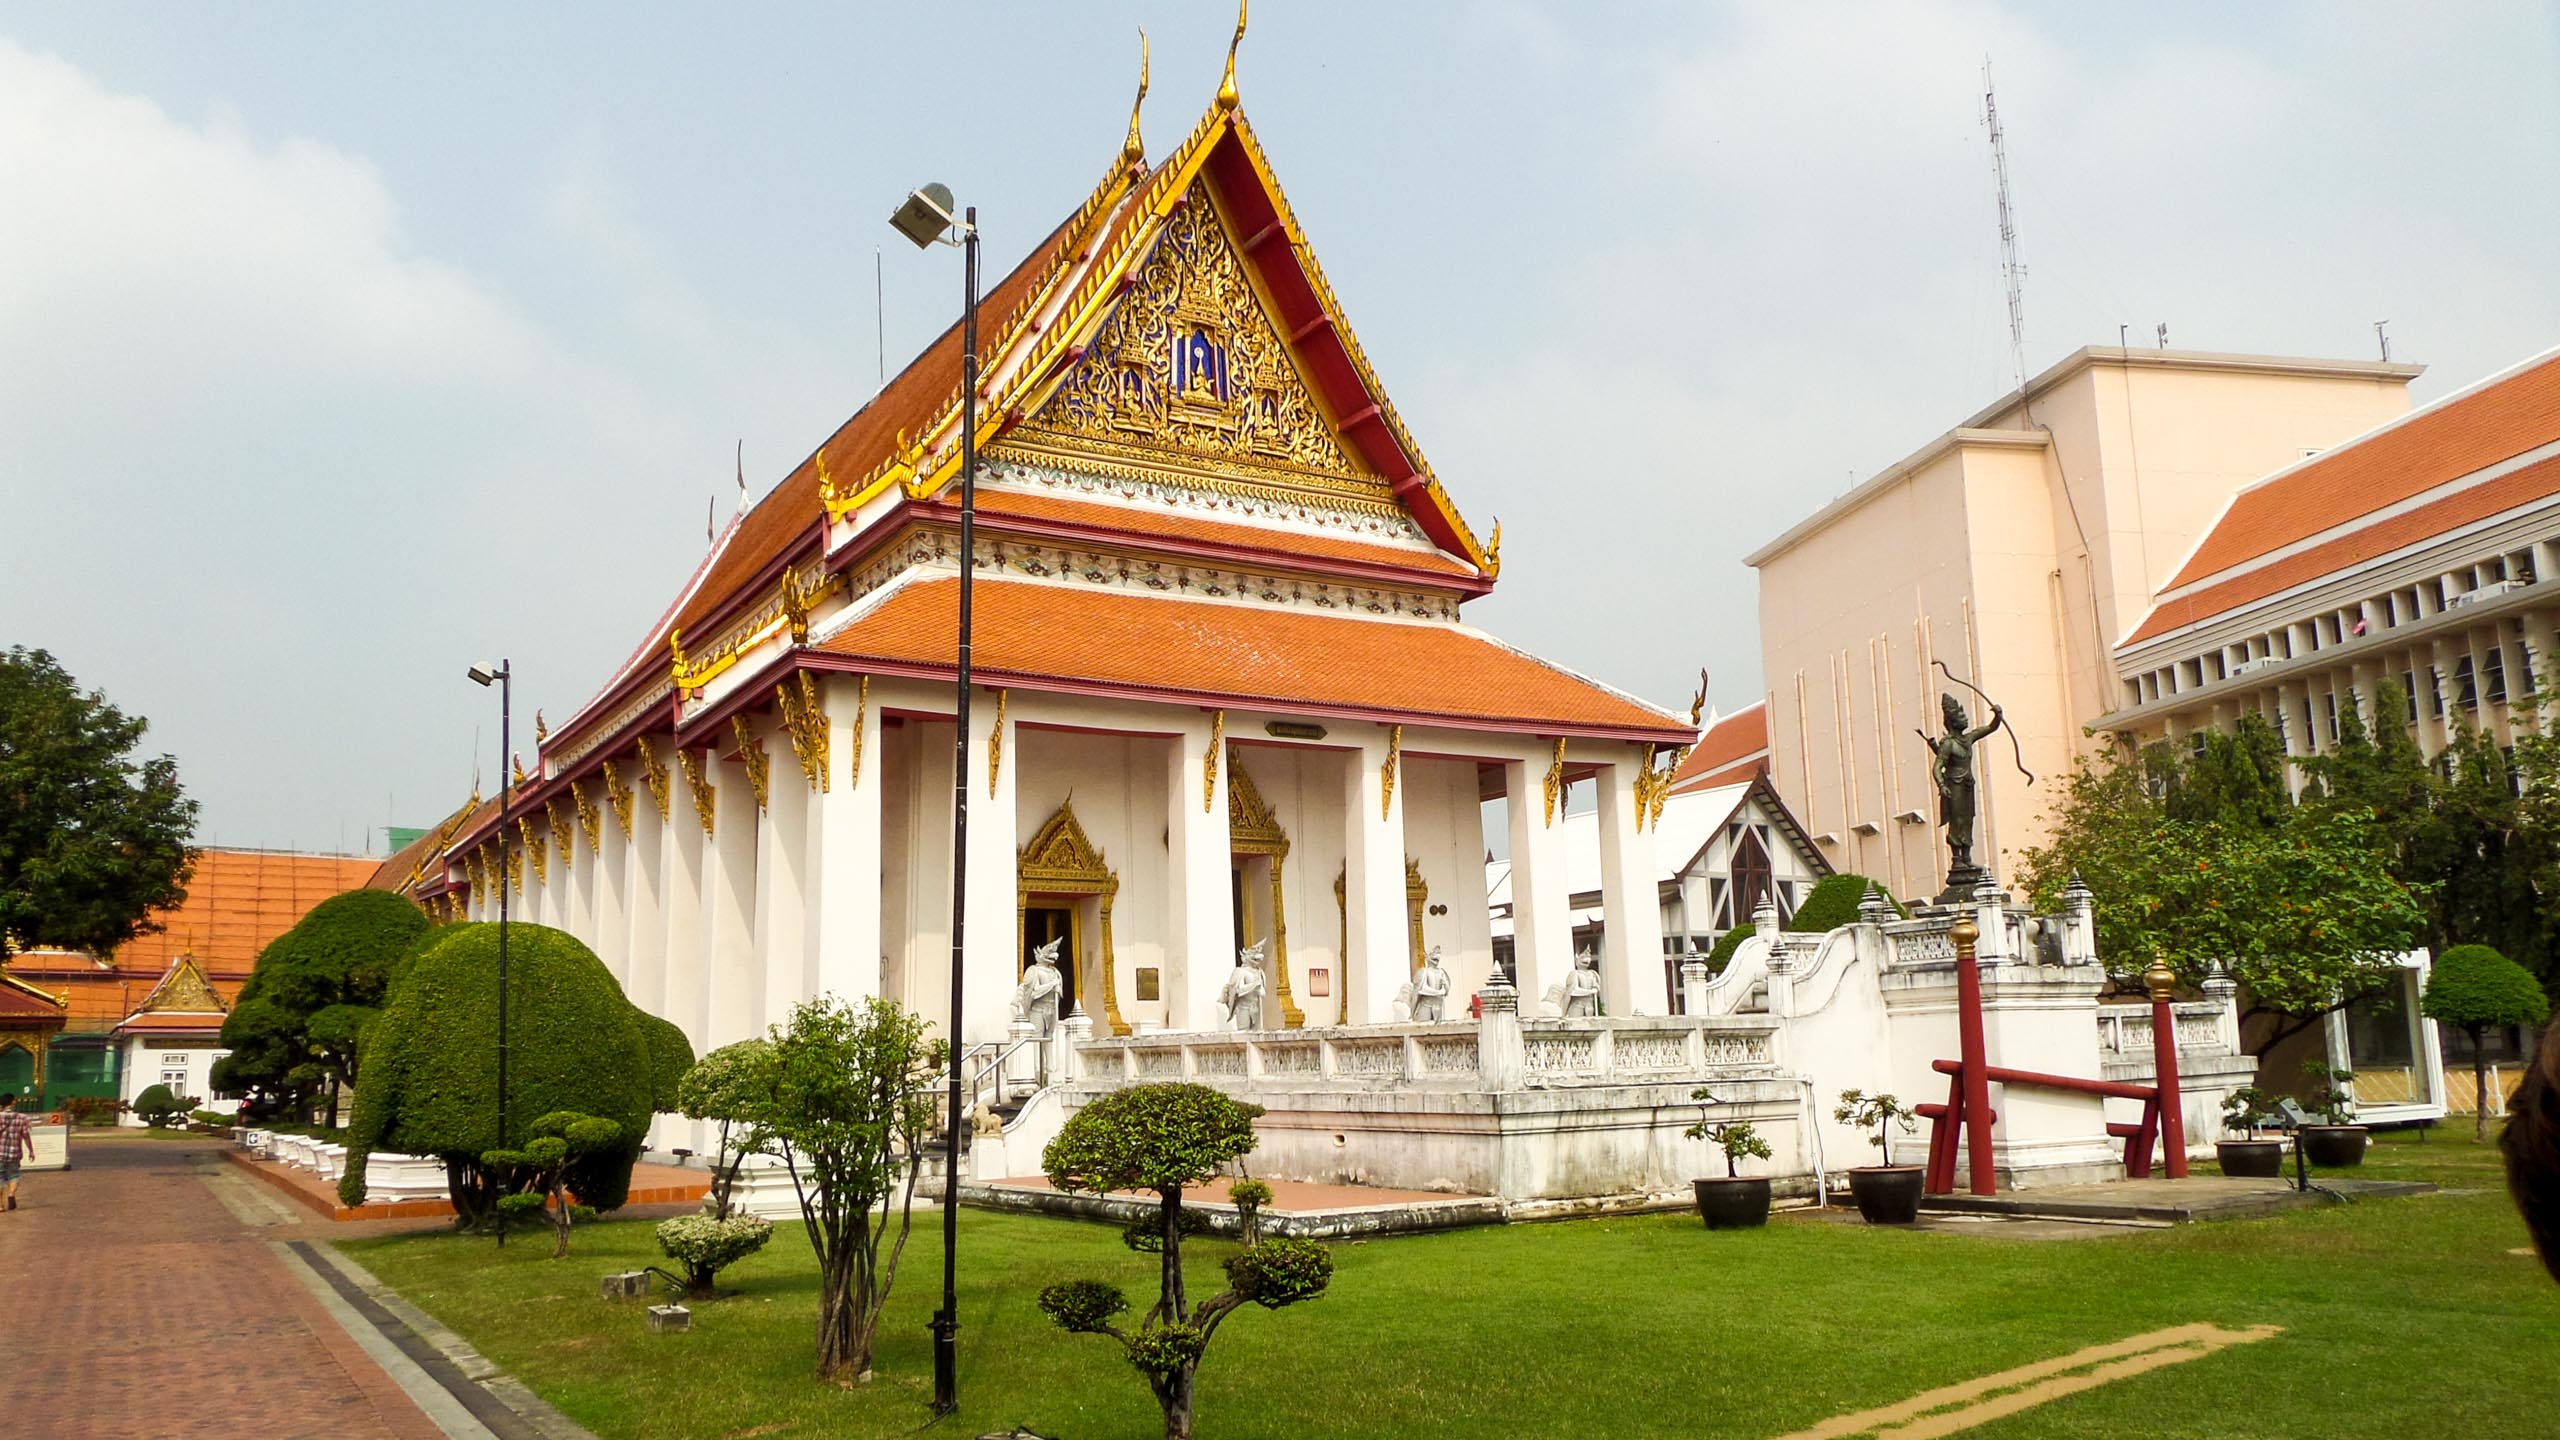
(2403, 1318)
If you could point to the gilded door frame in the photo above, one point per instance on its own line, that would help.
(1417, 897)
(1253, 830)
(1062, 860)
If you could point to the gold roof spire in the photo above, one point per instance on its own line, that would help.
(1228, 98)
(1134, 150)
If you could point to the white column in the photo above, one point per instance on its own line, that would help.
(1378, 953)
(782, 874)
(1541, 905)
(992, 965)
(579, 889)
(1632, 974)
(644, 976)
(544, 888)
(844, 829)
(683, 850)
(733, 975)
(1200, 929)
(610, 879)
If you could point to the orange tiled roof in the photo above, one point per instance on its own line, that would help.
(1734, 748)
(237, 901)
(2496, 422)
(2537, 481)
(1224, 654)
(1159, 523)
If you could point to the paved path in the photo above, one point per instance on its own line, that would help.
(145, 1299)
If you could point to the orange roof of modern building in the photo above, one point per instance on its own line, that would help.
(237, 901)
(1216, 653)
(2523, 485)
(2398, 462)
(1734, 748)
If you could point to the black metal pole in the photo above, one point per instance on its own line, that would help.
(946, 1321)
(506, 814)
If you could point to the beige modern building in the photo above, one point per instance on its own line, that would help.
(2017, 549)
(2413, 554)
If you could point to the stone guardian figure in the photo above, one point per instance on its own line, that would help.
(1582, 986)
(1243, 992)
(1036, 999)
(1952, 766)
(1430, 990)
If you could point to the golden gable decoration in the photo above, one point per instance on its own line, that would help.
(618, 794)
(705, 799)
(560, 832)
(804, 719)
(590, 819)
(184, 991)
(751, 754)
(538, 850)
(1189, 363)
(653, 772)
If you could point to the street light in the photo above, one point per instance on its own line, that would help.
(925, 218)
(501, 675)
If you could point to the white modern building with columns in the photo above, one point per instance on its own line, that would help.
(1224, 694)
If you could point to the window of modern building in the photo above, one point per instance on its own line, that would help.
(2493, 673)
(2466, 687)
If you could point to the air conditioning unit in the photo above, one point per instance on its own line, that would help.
(2481, 596)
(2251, 667)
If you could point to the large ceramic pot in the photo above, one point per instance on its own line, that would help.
(1733, 1204)
(2250, 1159)
(2334, 1147)
(1887, 1194)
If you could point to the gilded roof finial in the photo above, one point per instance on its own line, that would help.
(1134, 151)
(1228, 98)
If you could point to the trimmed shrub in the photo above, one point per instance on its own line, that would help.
(1832, 903)
(429, 1082)
(705, 1246)
(158, 1106)
(302, 1017)
(2472, 988)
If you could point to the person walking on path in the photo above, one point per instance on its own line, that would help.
(17, 1136)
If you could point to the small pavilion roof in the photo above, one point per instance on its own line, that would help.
(1734, 748)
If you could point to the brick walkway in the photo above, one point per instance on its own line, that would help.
(133, 1303)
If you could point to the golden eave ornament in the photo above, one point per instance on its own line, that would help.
(1133, 151)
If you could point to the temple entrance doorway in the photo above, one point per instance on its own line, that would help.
(1045, 919)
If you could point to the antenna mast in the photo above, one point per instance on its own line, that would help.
(2010, 270)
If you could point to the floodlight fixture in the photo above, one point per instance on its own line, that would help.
(926, 217)
(485, 673)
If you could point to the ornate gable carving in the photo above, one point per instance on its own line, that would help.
(1251, 826)
(1189, 365)
(1062, 851)
(184, 991)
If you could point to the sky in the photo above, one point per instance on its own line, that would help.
(342, 347)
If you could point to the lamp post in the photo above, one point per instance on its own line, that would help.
(502, 675)
(926, 219)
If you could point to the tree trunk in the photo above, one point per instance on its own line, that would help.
(842, 1357)
(2479, 1084)
(1171, 1289)
(1174, 1394)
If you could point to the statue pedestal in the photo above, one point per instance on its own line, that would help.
(1962, 882)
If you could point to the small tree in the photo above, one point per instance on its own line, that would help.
(732, 1085)
(1249, 1196)
(158, 1106)
(2472, 988)
(536, 1180)
(848, 1104)
(2248, 1109)
(1168, 1138)
(1879, 1112)
(2332, 1095)
(1735, 1138)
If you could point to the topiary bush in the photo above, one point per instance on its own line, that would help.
(301, 1019)
(705, 1245)
(429, 1082)
(2473, 987)
(1832, 903)
(158, 1106)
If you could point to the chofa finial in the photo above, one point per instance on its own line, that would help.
(1228, 98)
(1134, 150)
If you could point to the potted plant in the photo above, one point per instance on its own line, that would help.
(2249, 1110)
(2340, 1142)
(1887, 1194)
(1736, 1201)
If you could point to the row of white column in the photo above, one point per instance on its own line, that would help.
(724, 932)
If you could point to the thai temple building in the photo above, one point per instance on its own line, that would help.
(1225, 695)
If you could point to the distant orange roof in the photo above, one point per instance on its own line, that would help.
(2407, 458)
(237, 901)
(1734, 748)
(1090, 640)
(2537, 481)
